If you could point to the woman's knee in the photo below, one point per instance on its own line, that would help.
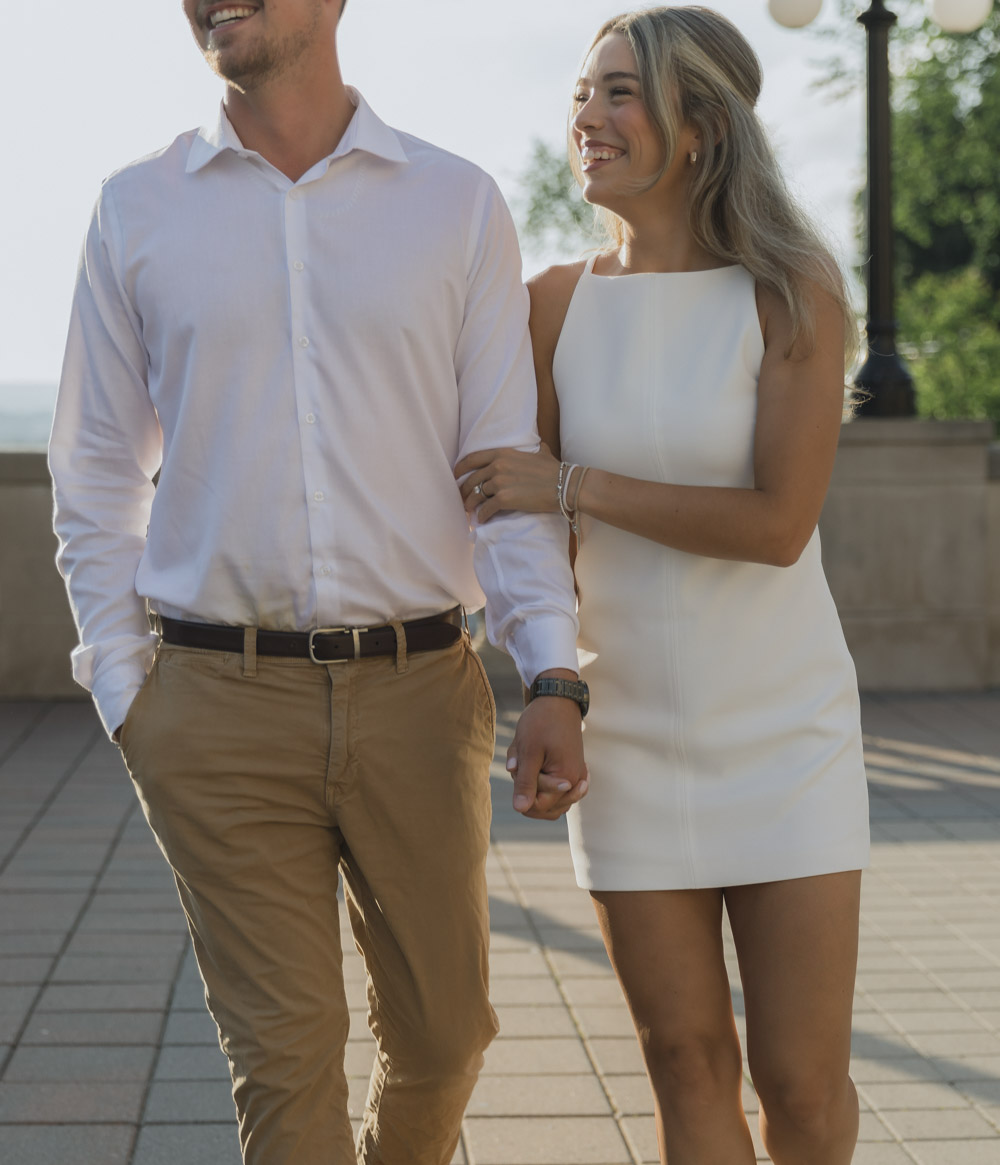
(808, 1103)
(693, 1065)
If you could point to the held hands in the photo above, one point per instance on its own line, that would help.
(507, 479)
(545, 757)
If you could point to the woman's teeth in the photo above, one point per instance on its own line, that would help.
(591, 154)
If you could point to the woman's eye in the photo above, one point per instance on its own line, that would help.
(579, 98)
(622, 92)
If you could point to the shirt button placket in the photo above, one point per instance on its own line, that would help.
(302, 365)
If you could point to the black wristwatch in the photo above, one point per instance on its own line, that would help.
(572, 689)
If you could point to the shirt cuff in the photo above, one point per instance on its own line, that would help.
(543, 642)
(114, 693)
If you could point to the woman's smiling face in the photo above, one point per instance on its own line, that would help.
(620, 148)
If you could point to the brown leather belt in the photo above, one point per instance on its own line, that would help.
(325, 644)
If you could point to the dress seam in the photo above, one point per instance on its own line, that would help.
(654, 374)
(683, 774)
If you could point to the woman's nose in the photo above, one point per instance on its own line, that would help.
(587, 116)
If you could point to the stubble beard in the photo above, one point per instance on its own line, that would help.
(263, 60)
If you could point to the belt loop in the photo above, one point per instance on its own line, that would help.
(249, 653)
(402, 663)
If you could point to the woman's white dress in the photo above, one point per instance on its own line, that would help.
(724, 741)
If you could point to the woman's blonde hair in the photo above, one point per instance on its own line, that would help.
(697, 69)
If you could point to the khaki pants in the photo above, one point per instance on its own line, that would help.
(261, 779)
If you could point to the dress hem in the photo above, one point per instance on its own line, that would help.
(806, 865)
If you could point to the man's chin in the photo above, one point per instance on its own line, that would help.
(239, 72)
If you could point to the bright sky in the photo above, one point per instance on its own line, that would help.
(112, 80)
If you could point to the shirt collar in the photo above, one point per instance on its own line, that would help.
(366, 131)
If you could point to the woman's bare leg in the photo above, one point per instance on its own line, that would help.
(797, 943)
(666, 947)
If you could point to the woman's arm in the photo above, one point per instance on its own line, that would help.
(530, 477)
(550, 293)
(799, 412)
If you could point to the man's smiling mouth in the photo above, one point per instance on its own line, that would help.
(224, 17)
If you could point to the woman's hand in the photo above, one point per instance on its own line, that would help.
(506, 479)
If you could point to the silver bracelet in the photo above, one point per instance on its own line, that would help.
(569, 510)
(565, 470)
(579, 486)
(574, 521)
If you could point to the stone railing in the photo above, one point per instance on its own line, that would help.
(911, 546)
(36, 628)
(911, 543)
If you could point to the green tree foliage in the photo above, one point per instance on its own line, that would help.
(946, 143)
(947, 216)
(950, 329)
(551, 213)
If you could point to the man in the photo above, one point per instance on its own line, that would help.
(302, 320)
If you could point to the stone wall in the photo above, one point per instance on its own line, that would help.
(911, 543)
(911, 546)
(993, 566)
(36, 628)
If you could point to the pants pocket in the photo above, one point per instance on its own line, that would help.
(487, 689)
(133, 708)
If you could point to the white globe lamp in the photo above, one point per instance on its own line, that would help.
(794, 13)
(960, 15)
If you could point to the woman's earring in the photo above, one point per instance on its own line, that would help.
(693, 156)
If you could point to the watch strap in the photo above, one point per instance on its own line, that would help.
(575, 690)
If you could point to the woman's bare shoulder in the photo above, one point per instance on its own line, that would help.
(555, 283)
(551, 291)
(826, 320)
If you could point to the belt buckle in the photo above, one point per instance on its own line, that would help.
(354, 632)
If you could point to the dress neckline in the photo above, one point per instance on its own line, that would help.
(589, 270)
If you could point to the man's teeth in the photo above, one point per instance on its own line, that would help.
(225, 15)
(590, 154)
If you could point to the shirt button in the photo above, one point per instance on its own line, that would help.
(319, 496)
(310, 418)
(303, 341)
(298, 265)
(293, 194)
(324, 570)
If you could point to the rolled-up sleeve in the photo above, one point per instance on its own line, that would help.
(104, 451)
(521, 560)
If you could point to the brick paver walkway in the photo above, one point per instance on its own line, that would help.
(108, 1057)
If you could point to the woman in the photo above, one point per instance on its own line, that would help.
(691, 381)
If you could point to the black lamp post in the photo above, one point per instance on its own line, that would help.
(883, 376)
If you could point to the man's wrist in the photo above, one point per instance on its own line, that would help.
(565, 685)
(555, 673)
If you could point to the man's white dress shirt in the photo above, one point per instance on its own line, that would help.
(304, 363)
